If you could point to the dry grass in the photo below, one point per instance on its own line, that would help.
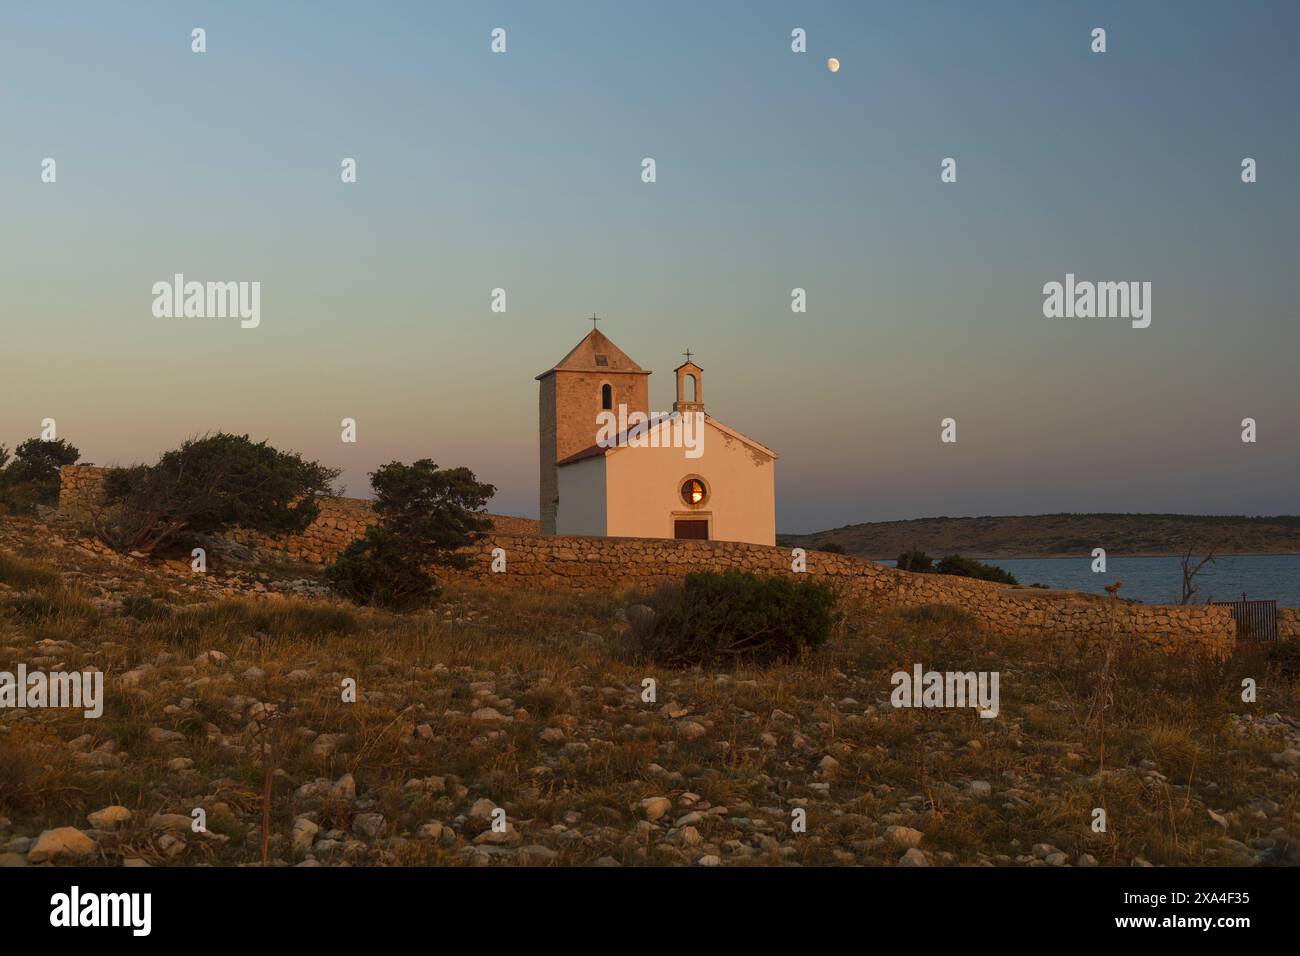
(1170, 752)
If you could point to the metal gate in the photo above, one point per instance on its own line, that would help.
(1256, 620)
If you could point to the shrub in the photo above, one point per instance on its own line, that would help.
(735, 617)
(381, 570)
(954, 564)
(832, 547)
(915, 560)
(209, 485)
(31, 477)
(1285, 656)
(969, 568)
(426, 514)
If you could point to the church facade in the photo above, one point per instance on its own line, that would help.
(611, 467)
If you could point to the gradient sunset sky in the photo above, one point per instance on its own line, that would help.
(522, 171)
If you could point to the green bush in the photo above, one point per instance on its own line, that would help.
(734, 618)
(917, 561)
(426, 515)
(209, 485)
(31, 477)
(832, 547)
(381, 569)
(969, 568)
(954, 564)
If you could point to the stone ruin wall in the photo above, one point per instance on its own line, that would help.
(604, 564)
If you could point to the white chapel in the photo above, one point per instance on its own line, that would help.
(611, 467)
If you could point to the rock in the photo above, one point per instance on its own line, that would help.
(326, 745)
(904, 836)
(1087, 859)
(180, 763)
(304, 833)
(61, 843)
(161, 735)
(369, 826)
(709, 860)
(537, 853)
(109, 818)
(914, 857)
(979, 788)
(690, 730)
(345, 788)
(655, 807)
(489, 715)
(828, 765)
(8, 860)
(1286, 758)
(430, 831)
(1043, 850)
(498, 838)
(482, 809)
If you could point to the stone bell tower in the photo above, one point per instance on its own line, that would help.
(690, 387)
(595, 376)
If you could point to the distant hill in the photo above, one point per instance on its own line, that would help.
(1012, 536)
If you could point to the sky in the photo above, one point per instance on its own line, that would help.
(523, 171)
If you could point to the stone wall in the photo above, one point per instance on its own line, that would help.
(81, 487)
(341, 520)
(604, 564)
(1288, 623)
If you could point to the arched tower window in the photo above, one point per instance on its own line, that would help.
(606, 396)
(689, 383)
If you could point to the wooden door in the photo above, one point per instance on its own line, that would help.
(694, 529)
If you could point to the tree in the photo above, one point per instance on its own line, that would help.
(208, 485)
(426, 516)
(30, 477)
(1190, 572)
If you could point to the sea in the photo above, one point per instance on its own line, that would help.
(1159, 580)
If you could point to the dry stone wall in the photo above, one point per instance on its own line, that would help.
(604, 564)
(341, 520)
(1288, 623)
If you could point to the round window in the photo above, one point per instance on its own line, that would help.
(693, 491)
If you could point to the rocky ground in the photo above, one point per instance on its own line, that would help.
(504, 728)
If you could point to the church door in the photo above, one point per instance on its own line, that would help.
(691, 528)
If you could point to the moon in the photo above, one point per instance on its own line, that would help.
(833, 65)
